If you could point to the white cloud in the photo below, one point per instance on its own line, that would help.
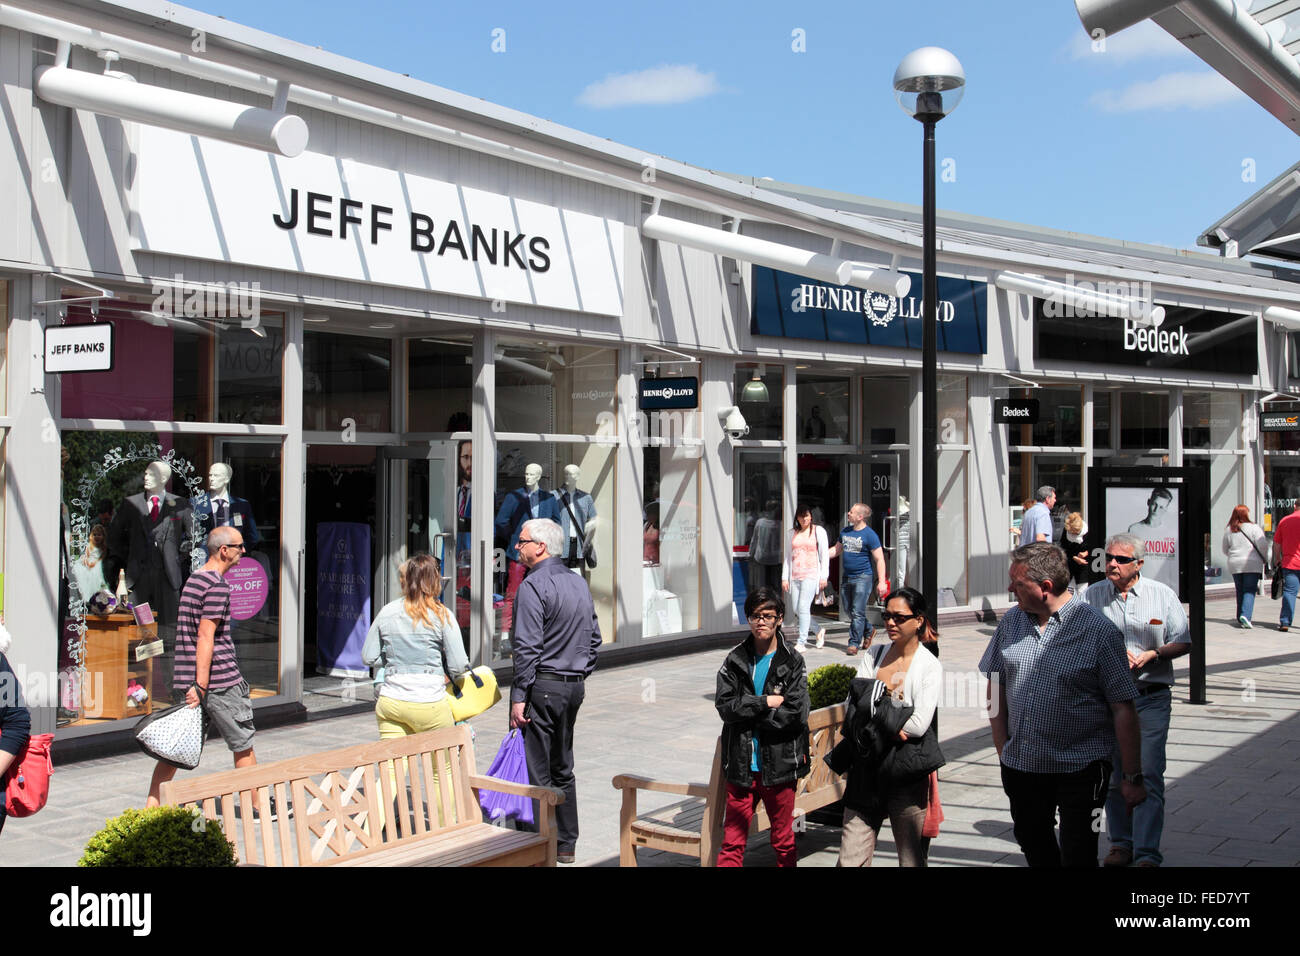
(657, 86)
(1171, 91)
(1142, 41)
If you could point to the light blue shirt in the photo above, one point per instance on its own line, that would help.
(1147, 601)
(1037, 520)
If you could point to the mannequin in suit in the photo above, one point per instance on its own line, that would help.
(222, 509)
(150, 531)
(519, 506)
(577, 519)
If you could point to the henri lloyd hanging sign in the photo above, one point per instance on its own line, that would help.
(340, 218)
(796, 307)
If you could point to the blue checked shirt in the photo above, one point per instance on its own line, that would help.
(1147, 602)
(1060, 683)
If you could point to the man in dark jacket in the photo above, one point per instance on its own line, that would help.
(556, 639)
(762, 699)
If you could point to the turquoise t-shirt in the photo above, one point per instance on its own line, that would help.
(761, 667)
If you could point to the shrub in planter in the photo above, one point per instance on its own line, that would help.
(159, 836)
(829, 684)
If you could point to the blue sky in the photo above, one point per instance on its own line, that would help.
(1139, 141)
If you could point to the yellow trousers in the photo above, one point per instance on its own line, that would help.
(400, 718)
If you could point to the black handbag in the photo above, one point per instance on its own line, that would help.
(1275, 589)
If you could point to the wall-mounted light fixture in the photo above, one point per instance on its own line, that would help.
(755, 389)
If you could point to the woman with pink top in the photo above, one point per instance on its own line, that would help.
(806, 571)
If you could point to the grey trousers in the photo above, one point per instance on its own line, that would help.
(906, 807)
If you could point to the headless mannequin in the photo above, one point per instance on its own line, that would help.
(576, 504)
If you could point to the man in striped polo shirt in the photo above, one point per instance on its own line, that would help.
(206, 669)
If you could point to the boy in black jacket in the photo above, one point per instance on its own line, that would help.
(762, 699)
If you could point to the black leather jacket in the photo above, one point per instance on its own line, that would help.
(782, 733)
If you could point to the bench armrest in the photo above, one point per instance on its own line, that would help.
(627, 781)
(545, 794)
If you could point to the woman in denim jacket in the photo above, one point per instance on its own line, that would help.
(417, 642)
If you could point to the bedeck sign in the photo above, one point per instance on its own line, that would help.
(79, 348)
(1015, 411)
(336, 217)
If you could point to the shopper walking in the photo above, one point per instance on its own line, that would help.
(862, 555)
(890, 747)
(556, 639)
(1245, 544)
(207, 669)
(807, 570)
(1073, 542)
(1286, 561)
(15, 720)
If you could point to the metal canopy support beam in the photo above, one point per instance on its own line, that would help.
(1111, 16)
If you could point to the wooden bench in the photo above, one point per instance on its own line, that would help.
(373, 804)
(693, 827)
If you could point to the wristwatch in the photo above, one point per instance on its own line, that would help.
(1133, 778)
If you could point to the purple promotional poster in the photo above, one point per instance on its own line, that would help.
(342, 597)
(249, 587)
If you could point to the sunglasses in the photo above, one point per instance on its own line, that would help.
(1120, 558)
(897, 618)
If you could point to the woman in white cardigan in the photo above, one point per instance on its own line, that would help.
(913, 674)
(807, 569)
(1245, 545)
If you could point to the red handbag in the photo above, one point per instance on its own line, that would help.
(27, 784)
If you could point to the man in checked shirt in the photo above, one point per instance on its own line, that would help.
(1060, 697)
(1155, 630)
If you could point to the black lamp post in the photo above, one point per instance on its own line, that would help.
(929, 84)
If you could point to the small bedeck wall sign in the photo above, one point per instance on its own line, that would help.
(657, 393)
(1015, 411)
(79, 348)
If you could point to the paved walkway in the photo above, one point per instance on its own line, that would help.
(1233, 783)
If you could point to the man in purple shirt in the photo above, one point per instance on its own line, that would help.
(556, 636)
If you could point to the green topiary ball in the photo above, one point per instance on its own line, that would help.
(159, 836)
(829, 684)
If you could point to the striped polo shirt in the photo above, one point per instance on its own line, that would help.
(206, 597)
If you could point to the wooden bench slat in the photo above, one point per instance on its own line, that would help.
(403, 801)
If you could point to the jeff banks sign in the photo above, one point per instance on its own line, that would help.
(79, 348)
(336, 217)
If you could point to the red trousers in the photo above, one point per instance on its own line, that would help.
(779, 802)
(515, 571)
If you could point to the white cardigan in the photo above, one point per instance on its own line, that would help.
(921, 685)
(1241, 553)
(823, 555)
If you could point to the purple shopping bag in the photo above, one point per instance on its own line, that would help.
(509, 764)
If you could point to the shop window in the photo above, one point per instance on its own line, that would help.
(670, 541)
(759, 394)
(1101, 434)
(116, 545)
(822, 404)
(1060, 418)
(760, 530)
(346, 379)
(167, 368)
(592, 465)
(440, 377)
(1143, 420)
(952, 525)
(4, 343)
(559, 389)
(886, 407)
(1211, 421)
(1281, 441)
(1281, 489)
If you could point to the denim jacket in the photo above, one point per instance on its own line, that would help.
(398, 645)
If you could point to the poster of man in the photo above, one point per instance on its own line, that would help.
(1152, 515)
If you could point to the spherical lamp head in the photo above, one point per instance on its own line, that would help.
(929, 83)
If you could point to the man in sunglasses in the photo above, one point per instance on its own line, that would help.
(1060, 701)
(1154, 624)
(206, 670)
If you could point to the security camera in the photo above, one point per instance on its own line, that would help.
(733, 423)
